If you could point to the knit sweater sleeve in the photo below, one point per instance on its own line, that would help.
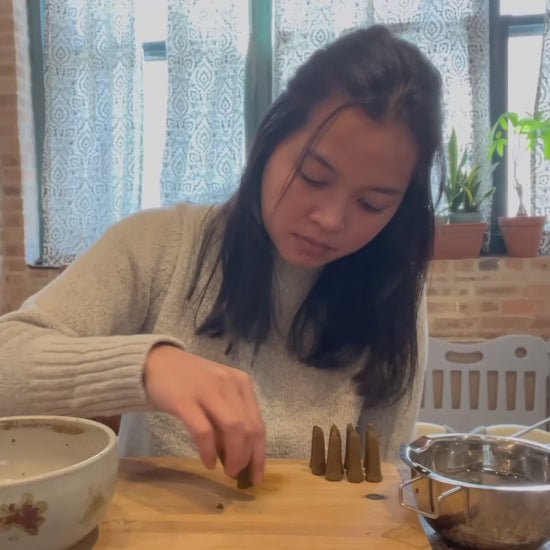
(78, 346)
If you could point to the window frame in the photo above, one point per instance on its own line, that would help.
(35, 21)
(154, 51)
(502, 27)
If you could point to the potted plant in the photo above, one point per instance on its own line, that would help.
(522, 233)
(463, 236)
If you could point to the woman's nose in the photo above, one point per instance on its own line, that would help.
(330, 215)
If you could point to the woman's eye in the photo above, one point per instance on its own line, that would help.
(369, 207)
(312, 181)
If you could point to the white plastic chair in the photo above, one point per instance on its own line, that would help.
(498, 381)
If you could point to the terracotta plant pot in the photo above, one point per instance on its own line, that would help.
(458, 240)
(522, 234)
(465, 217)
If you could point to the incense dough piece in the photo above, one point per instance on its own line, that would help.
(243, 479)
(353, 450)
(335, 469)
(317, 462)
(372, 456)
(349, 429)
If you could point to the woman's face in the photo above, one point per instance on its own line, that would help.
(347, 188)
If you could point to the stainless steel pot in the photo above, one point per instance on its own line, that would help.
(480, 491)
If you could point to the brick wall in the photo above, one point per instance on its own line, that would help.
(467, 298)
(18, 183)
(488, 297)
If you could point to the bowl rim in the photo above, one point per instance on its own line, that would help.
(406, 450)
(60, 472)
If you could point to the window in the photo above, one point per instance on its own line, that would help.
(516, 28)
(151, 28)
(151, 33)
(523, 69)
(516, 43)
(522, 7)
(518, 25)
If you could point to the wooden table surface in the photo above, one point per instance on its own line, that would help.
(164, 503)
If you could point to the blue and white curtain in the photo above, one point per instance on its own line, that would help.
(454, 35)
(540, 185)
(92, 164)
(93, 69)
(207, 58)
(206, 51)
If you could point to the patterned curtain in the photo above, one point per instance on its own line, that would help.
(92, 161)
(454, 35)
(540, 192)
(206, 51)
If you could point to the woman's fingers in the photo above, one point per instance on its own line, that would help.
(215, 402)
(201, 430)
(229, 416)
(258, 461)
(257, 431)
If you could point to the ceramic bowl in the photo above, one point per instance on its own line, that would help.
(57, 477)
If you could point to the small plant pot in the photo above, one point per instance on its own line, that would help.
(522, 234)
(458, 240)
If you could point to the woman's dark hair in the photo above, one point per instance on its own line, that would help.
(365, 304)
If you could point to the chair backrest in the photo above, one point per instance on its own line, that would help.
(498, 381)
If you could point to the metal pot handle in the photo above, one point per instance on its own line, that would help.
(435, 512)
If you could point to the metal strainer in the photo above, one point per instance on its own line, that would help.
(481, 491)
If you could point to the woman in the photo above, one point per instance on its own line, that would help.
(298, 302)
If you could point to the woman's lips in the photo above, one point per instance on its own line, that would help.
(311, 245)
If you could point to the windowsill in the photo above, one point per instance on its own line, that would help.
(517, 261)
(43, 267)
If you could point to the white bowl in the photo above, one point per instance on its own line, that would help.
(57, 477)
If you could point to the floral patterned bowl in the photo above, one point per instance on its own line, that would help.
(57, 477)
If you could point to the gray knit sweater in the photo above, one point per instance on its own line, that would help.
(78, 346)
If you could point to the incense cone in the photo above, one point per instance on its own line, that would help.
(317, 462)
(353, 450)
(365, 447)
(334, 470)
(349, 429)
(372, 455)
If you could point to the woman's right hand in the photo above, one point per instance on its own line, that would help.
(215, 402)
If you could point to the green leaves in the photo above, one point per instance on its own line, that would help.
(535, 128)
(462, 188)
(510, 125)
(454, 192)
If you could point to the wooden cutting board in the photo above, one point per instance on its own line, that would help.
(165, 503)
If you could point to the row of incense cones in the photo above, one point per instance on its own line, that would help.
(332, 468)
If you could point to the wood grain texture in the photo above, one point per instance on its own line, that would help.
(177, 503)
